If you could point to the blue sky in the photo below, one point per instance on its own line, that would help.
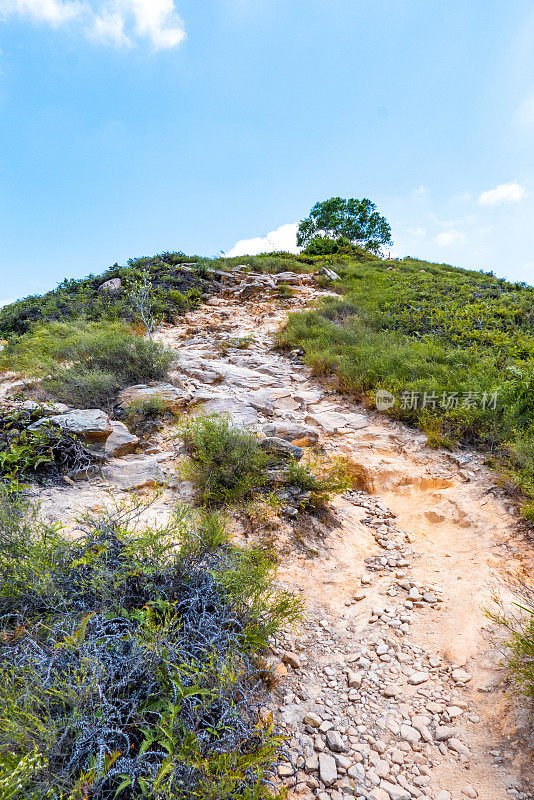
(130, 127)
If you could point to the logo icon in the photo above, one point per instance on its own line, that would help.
(384, 400)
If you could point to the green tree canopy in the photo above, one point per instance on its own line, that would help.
(352, 220)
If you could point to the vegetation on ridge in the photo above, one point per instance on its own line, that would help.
(454, 347)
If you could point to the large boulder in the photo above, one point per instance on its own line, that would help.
(279, 447)
(121, 441)
(90, 424)
(174, 397)
(113, 285)
(298, 434)
(139, 474)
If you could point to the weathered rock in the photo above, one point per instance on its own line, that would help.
(460, 676)
(299, 434)
(138, 474)
(312, 719)
(379, 794)
(470, 791)
(121, 441)
(45, 409)
(416, 678)
(327, 769)
(442, 733)
(279, 447)
(395, 791)
(261, 402)
(334, 422)
(113, 285)
(335, 742)
(457, 746)
(172, 396)
(410, 734)
(292, 659)
(241, 414)
(91, 424)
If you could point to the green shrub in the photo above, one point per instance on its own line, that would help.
(322, 478)
(43, 454)
(129, 661)
(225, 463)
(519, 645)
(145, 413)
(86, 363)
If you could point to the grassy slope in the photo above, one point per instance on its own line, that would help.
(412, 326)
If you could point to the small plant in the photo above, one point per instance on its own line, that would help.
(285, 291)
(321, 478)
(519, 647)
(143, 415)
(225, 463)
(261, 514)
(141, 296)
(234, 343)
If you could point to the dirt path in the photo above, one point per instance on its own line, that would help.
(393, 687)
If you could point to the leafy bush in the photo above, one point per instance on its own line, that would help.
(128, 662)
(226, 463)
(41, 454)
(87, 363)
(324, 245)
(519, 646)
(322, 478)
(145, 413)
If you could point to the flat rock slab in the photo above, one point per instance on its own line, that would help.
(241, 376)
(91, 424)
(138, 474)
(121, 441)
(241, 414)
(337, 422)
(327, 769)
(299, 434)
(175, 397)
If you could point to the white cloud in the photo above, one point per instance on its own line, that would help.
(52, 12)
(114, 22)
(511, 192)
(283, 238)
(416, 231)
(448, 238)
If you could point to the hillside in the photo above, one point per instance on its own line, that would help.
(200, 487)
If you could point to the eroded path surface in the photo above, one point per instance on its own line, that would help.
(392, 688)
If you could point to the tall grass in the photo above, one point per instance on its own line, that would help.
(412, 327)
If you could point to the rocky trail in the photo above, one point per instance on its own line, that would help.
(392, 688)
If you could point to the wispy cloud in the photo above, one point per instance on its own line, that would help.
(111, 22)
(511, 192)
(283, 238)
(449, 238)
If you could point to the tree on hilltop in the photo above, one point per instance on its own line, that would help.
(337, 225)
